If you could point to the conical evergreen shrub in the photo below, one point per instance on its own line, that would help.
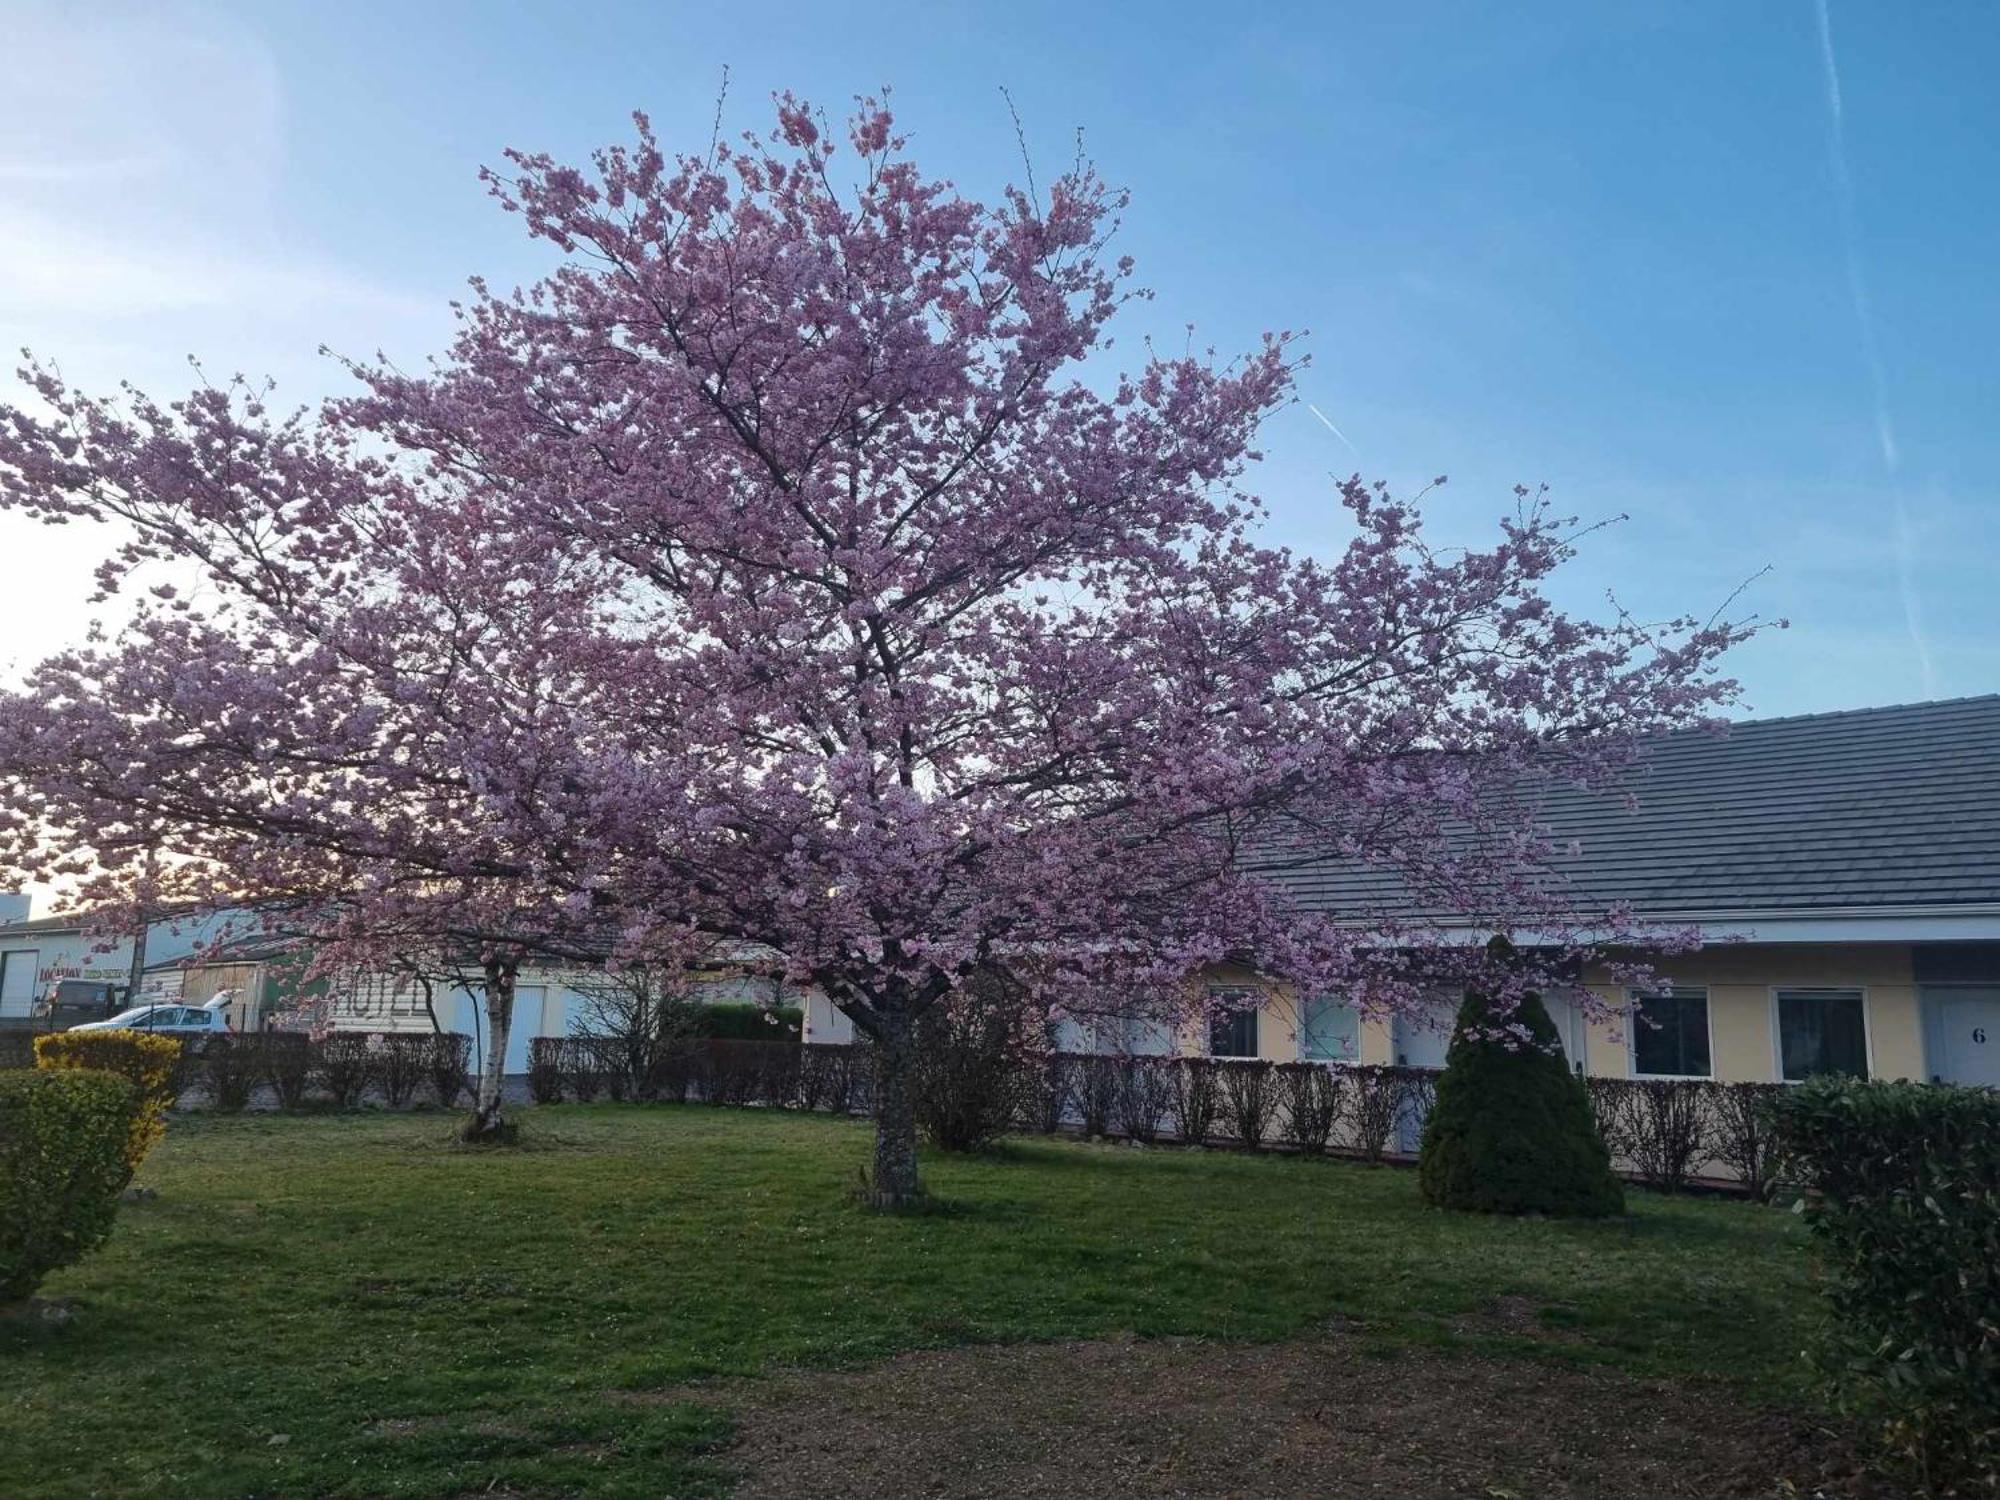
(1511, 1131)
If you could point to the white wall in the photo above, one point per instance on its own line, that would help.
(77, 955)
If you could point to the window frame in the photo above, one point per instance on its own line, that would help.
(1634, 996)
(1859, 991)
(1252, 1011)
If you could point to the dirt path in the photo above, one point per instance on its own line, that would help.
(1317, 1419)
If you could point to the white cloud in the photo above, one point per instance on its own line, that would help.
(52, 270)
(143, 190)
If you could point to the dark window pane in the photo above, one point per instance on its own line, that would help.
(1233, 1034)
(1670, 1035)
(1821, 1031)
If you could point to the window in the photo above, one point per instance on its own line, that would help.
(1821, 1031)
(1329, 1031)
(1232, 1031)
(1134, 1036)
(1670, 1034)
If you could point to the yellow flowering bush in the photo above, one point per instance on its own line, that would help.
(143, 1061)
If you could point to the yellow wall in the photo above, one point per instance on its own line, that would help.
(1739, 977)
(1280, 1022)
(1742, 1033)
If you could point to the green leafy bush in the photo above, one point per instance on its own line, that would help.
(64, 1133)
(150, 1064)
(1903, 1185)
(748, 1023)
(1511, 1130)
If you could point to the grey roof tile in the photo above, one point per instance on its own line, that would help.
(1891, 806)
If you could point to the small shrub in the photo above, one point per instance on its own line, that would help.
(1512, 1131)
(1045, 1096)
(586, 1064)
(1666, 1130)
(1096, 1076)
(1741, 1135)
(861, 1078)
(150, 1064)
(285, 1064)
(1250, 1099)
(1905, 1209)
(826, 1077)
(65, 1136)
(778, 1076)
(1374, 1104)
(968, 1065)
(346, 1066)
(545, 1069)
(1193, 1100)
(733, 1072)
(1610, 1110)
(623, 1079)
(402, 1061)
(450, 1066)
(231, 1069)
(673, 1073)
(1144, 1086)
(1311, 1094)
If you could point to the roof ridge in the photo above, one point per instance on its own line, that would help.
(1854, 713)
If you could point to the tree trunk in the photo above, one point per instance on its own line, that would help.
(895, 1183)
(486, 1122)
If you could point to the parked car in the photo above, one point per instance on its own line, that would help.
(194, 1025)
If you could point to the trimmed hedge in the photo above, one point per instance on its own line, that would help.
(64, 1138)
(1903, 1198)
(17, 1046)
(743, 1022)
(150, 1064)
(968, 1098)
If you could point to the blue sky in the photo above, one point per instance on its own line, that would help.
(1615, 249)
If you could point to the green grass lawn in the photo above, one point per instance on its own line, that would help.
(350, 1305)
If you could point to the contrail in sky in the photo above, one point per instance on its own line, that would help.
(1327, 423)
(1871, 350)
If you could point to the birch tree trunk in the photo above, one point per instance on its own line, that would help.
(487, 1122)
